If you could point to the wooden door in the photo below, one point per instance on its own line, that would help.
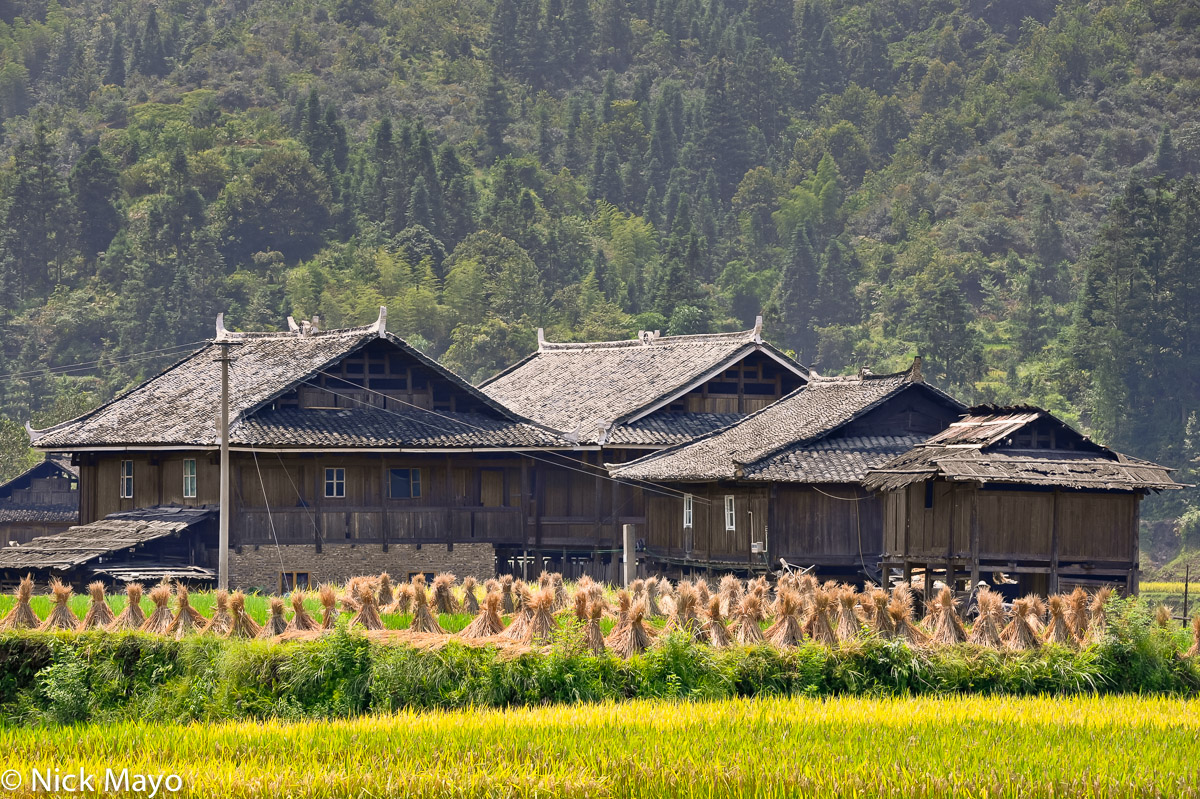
(491, 488)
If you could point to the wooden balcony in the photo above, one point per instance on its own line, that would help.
(374, 525)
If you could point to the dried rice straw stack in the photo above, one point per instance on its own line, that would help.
(989, 623)
(593, 637)
(1078, 617)
(487, 621)
(1162, 616)
(683, 616)
(368, 613)
(818, 626)
(222, 620)
(630, 637)
(160, 620)
(881, 620)
(131, 616)
(582, 607)
(423, 620)
(443, 596)
(329, 614)
(470, 602)
(516, 631)
(22, 617)
(404, 594)
(541, 625)
(1020, 635)
(900, 610)
(702, 592)
(99, 615)
(387, 594)
(1098, 625)
(730, 591)
(787, 630)
(243, 625)
(949, 628)
(849, 626)
(1195, 650)
(276, 623)
(187, 619)
(714, 625)
(1058, 631)
(746, 630)
(302, 620)
(507, 604)
(61, 617)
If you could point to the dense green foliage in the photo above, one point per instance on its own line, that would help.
(1002, 186)
(75, 677)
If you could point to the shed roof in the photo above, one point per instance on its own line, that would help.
(118, 532)
(792, 440)
(590, 389)
(978, 448)
(178, 406)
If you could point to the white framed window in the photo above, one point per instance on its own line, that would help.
(687, 511)
(189, 478)
(404, 483)
(335, 482)
(126, 479)
(730, 513)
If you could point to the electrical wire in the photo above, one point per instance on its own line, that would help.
(116, 360)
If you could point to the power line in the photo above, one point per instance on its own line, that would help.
(653, 488)
(118, 359)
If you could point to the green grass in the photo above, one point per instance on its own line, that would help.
(767, 747)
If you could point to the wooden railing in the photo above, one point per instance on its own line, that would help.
(375, 525)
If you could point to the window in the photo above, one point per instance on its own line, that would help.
(189, 478)
(730, 514)
(335, 482)
(928, 493)
(126, 479)
(294, 581)
(404, 483)
(687, 511)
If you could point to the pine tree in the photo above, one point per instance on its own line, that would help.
(34, 229)
(614, 36)
(792, 305)
(725, 141)
(115, 74)
(94, 190)
(494, 116)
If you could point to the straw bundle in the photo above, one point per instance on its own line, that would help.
(160, 619)
(1037, 612)
(387, 594)
(187, 618)
(880, 619)
(818, 626)
(593, 638)
(99, 615)
(61, 617)
(582, 608)
(624, 602)
(746, 630)
(131, 617)
(949, 627)
(1098, 625)
(368, 612)
(423, 620)
(277, 624)
(1162, 616)
(22, 617)
(900, 610)
(1078, 618)
(807, 585)
(787, 630)
(1058, 631)
(521, 592)
(470, 602)
(329, 614)
(987, 627)
(443, 596)
(544, 583)
(404, 599)
(702, 592)
(541, 618)
(301, 621)
(487, 621)
(630, 637)
(222, 620)
(507, 604)
(714, 626)
(1020, 633)
(730, 591)
(849, 626)
(516, 631)
(637, 590)
(243, 625)
(683, 616)
(1195, 650)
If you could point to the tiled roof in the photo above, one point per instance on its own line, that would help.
(38, 513)
(771, 444)
(117, 533)
(585, 389)
(664, 428)
(836, 459)
(374, 427)
(976, 449)
(179, 406)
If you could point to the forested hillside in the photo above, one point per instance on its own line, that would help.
(1003, 186)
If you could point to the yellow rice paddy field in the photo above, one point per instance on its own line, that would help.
(842, 747)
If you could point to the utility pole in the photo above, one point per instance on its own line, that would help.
(223, 342)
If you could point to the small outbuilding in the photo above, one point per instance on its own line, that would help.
(40, 501)
(1014, 491)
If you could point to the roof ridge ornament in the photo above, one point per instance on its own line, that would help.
(381, 322)
(914, 374)
(758, 339)
(222, 333)
(541, 339)
(292, 326)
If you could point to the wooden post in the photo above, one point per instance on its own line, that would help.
(974, 538)
(1053, 587)
(223, 532)
(1187, 576)
(628, 556)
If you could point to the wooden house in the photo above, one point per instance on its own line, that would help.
(786, 482)
(1015, 491)
(40, 501)
(351, 453)
(618, 401)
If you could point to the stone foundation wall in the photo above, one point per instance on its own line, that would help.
(259, 567)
